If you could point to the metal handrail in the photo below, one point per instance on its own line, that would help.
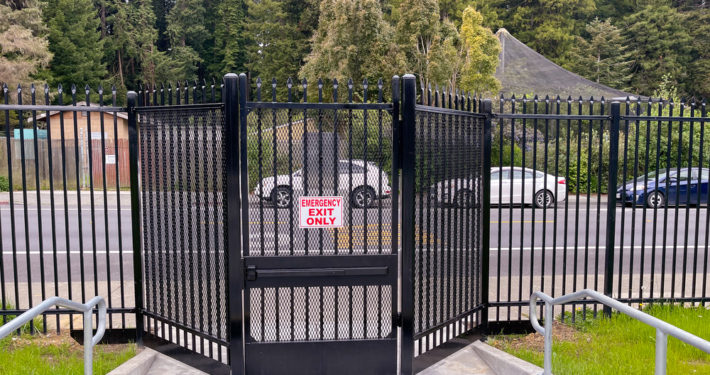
(663, 329)
(87, 309)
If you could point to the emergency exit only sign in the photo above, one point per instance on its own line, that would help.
(321, 212)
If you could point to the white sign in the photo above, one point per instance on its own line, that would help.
(110, 159)
(321, 212)
(97, 135)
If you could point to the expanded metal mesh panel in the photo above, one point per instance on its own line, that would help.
(334, 152)
(448, 208)
(183, 204)
(321, 313)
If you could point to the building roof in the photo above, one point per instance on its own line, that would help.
(41, 116)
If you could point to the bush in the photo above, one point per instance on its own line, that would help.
(4, 184)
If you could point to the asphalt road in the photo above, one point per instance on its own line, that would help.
(527, 236)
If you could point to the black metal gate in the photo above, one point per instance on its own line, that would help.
(268, 239)
(322, 298)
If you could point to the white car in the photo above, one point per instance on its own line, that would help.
(279, 189)
(528, 187)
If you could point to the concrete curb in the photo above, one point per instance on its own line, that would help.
(138, 365)
(502, 362)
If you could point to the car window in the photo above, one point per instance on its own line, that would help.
(528, 175)
(497, 176)
(517, 175)
(683, 175)
(297, 173)
(345, 168)
(705, 175)
(540, 175)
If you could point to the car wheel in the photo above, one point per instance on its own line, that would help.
(464, 198)
(655, 199)
(282, 197)
(544, 198)
(362, 197)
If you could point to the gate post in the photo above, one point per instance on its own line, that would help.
(487, 108)
(611, 203)
(408, 221)
(234, 246)
(135, 214)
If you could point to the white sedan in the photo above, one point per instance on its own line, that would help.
(509, 185)
(368, 184)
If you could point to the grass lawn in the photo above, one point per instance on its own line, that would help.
(620, 345)
(57, 354)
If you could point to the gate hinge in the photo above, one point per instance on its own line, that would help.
(399, 319)
(251, 272)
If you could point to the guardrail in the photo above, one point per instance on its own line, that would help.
(663, 329)
(87, 309)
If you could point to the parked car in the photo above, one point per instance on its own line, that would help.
(689, 186)
(528, 187)
(364, 190)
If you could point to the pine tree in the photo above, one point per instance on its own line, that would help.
(185, 27)
(549, 27)
(481, 49)
(353, 41)
(698, 22)
(276, 46)
(75, 41)
(228, 38)
(603, 58)
(659, 44)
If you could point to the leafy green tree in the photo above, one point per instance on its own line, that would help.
(276, 46)
(353, 41)
(698, 23)
(23, 45)
(75, 40)
(185, 27)
(481, 49)
(603, 58)
(659, 44)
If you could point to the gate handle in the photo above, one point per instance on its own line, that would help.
(252, 273)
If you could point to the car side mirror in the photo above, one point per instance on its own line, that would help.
(673, 181)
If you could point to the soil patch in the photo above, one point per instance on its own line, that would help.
(535, 341)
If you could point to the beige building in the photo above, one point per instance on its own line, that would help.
(82, 119)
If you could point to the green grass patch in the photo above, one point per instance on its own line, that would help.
(25, 329)
(39, 355)
(620, 345)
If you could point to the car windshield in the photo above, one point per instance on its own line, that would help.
(660, 173)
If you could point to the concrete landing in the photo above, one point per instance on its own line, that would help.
(150, 362)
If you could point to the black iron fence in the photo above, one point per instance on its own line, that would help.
(495, 202)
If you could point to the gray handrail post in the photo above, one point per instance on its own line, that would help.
(663, 329)
(87, 309)
(611, 204)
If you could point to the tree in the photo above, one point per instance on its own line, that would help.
(659, 44)
(352, 41)
(549, 27)
(603, 58)
(276, 46)
(698, 22)
(75, 41)
(229, 38)
(23, 45)
(480, 51)
(185, 27)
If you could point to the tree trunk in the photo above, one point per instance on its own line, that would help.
(120, 66)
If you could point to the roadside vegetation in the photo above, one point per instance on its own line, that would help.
(620, 345)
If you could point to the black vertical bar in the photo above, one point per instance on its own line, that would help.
(408, 229)
(487, 108)
(135, 215)
(51, 199)
(39, 210)
(396, 162)
(92, 201)
(234, 251)
(25, 217)
(611, 204)
(244, 172)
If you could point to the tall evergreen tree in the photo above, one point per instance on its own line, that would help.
(75, 40)
(659, 44)
(698, 22)
(185, 27)
(228, 38)
(549, 27)
(276, 47)
(603, 59)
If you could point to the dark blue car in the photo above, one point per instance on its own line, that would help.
(689, 186)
